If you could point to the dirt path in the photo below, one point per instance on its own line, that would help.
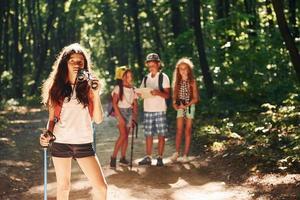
(205, 177)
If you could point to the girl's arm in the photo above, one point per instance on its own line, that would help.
(51, 122)
(175, 106)
(115, 100)
(195, 94)
(98, 109)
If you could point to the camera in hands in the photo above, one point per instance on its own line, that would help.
(180, 102)
(84, 75)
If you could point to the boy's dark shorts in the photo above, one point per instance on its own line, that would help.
(72, 150)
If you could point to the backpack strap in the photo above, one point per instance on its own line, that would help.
(160, 81)
(145, 80)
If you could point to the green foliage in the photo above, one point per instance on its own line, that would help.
(270, 133)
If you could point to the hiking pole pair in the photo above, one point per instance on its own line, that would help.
(135, 126)
(45, 148)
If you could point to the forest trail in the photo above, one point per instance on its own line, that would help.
(206, 177)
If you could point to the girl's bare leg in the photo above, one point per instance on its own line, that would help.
(119, 143)
(92, 169)
(179, 130)
(63, 177)
(188, 135)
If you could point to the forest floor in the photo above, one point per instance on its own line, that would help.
(208, 176)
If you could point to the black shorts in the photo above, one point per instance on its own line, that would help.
(72, 150)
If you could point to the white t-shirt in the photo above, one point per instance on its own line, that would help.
(75, 123)
(128, 96)
(156, 103)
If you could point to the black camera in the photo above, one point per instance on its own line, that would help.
(180, 101)
(84, 75)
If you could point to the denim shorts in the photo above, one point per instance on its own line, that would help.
(188, 113)
(127, 114)
(155, 123)
(72, 150)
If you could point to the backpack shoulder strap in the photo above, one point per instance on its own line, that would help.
(57, 111)
(145, 80)
(160, 81)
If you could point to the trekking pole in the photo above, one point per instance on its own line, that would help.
(135, 126)
(94, 137)
(45, 148)
(45, 173)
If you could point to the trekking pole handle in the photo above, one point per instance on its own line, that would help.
(49, 133)
(136, 128)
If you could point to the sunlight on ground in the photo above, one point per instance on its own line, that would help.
(209, 191)
(15, 163)
(24, 121)
(275, 179)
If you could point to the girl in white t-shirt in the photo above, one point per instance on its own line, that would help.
(125, 108)
(73, 106)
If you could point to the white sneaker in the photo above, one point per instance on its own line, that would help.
(185, 159)
(174, 157)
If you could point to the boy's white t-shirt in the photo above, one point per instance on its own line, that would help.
(75, 123)
(156, 103)
(128, 96)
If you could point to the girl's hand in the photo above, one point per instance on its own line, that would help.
(175, 106)
(44, 141)
(181, 106)
(95, 85)
(155, 92)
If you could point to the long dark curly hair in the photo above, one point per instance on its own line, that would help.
(57, 87)
(177, 77)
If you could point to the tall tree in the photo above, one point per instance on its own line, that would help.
(292, 18)
(42, 42)
(269, 13)
(122, 34)
(250, 7)
(287, 37)
(18, 59)
(208, 82)
(155, 26)
(134, 10)
(176, 19)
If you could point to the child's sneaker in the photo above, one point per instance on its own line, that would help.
(185, 159)
(159, 162)
(146, 161)
(113, 162)
(123, 161)
(174, 157)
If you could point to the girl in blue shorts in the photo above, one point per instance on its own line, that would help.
(124, 100)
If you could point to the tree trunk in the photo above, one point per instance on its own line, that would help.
(137, 33)
(44, 46)
(269, 13)
(122, 35)
(292, 18)
(287, 37)
(250, 6)
(155, 27)
(176, 19)
(18, 59)
(208, 82)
